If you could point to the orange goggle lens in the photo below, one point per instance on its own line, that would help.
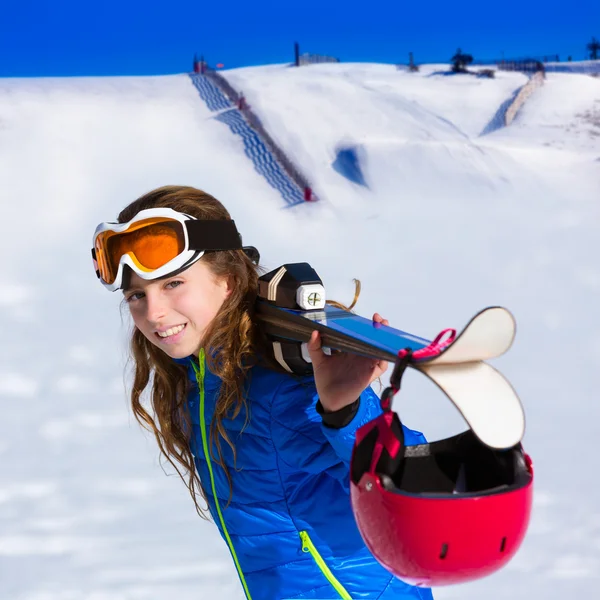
(151, 244)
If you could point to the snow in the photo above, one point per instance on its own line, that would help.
(446, 222)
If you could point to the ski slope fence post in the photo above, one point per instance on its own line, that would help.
(536, 81)
(254, 122)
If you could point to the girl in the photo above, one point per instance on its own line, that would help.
(267, 451)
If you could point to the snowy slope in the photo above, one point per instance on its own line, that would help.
(446, 222)
(563, 114)
(393, 120)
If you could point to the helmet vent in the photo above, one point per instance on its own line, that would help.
(503, 544)
(444, 551)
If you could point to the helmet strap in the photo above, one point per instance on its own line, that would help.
(403, 360)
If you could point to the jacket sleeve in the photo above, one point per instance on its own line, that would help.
(301, 439)
(342, 439)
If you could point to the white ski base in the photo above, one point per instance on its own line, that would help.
(486, 400)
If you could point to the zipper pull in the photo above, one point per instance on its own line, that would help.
(305, 546)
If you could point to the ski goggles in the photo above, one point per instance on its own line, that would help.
(156, 243)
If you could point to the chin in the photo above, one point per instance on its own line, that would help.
(178, 352)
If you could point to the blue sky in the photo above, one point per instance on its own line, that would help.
(41, 38)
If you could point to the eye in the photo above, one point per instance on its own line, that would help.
(174, 284)
(135, 296)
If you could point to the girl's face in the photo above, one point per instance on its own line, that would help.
(174, 313)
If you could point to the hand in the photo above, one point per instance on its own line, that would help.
(342, 377)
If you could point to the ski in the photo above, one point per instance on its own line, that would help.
(340, 330)
(291, 305)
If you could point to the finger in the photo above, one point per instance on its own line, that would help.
(314, 349)
(378, 370)
(377, 318)
(314, 343)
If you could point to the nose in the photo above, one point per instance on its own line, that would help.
(156, 307)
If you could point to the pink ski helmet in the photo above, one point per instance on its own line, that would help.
(441, 513)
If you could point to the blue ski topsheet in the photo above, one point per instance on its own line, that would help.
(382, 337)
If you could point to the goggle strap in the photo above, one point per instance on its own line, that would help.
(220, 234)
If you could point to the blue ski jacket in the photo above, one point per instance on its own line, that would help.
(289, 526)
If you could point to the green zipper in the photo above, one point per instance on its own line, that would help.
(200, 371)
(308, 546)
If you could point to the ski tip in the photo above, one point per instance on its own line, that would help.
(489, 334)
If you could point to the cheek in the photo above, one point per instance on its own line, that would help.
(206, 313)
(143, 327)
(203, 313)
(139, 320)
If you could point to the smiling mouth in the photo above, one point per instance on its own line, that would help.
(165, 335)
